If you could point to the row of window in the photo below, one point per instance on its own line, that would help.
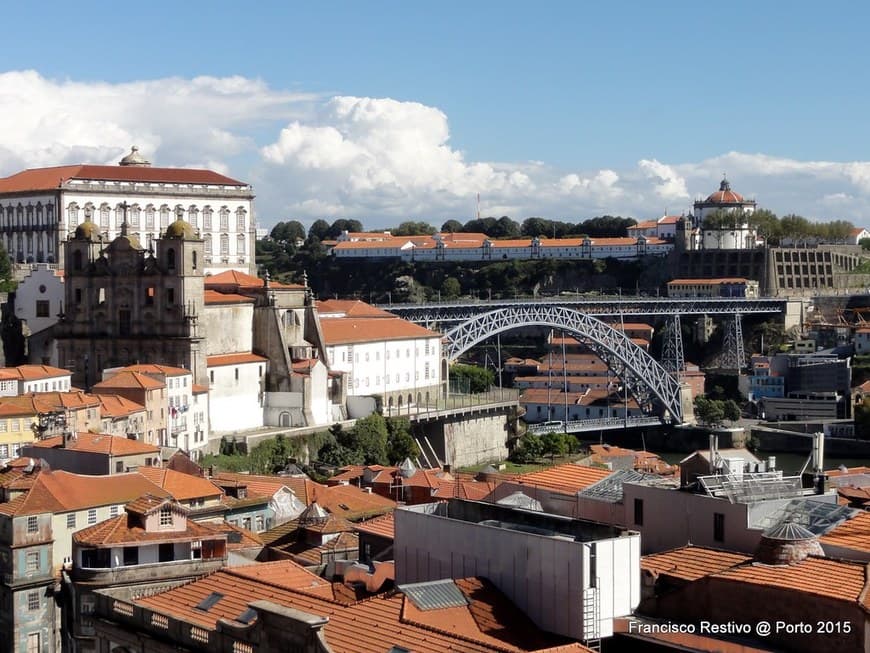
(134, 214)
(355, 382)
(352, 356)
(28, 216)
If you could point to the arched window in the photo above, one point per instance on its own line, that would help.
(240, 245)
(170, 258)
(89, 211)
(164, 216)
(39, 220)
(134, 216)
(149, 216)
(207, 243)
(104, 216)
(193, 216)
(284, 419)
(241, 216)
(206, 217)
(119, 215)
(77, 260)
(225, 245)
(225, 219)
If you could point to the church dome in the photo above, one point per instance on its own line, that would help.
(725, 195)
(181, 229)
(87, 231)
(134, 159)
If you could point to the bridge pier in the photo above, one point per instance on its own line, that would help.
(466, 436)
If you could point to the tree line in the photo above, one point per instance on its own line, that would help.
(292, 231)
(775, 229)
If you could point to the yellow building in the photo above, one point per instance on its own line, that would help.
(18, 423)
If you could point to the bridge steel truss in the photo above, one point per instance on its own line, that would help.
(637, 369)
(455, 312)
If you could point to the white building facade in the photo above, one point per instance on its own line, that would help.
(236, 395)
(40, 207)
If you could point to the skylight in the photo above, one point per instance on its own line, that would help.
(247, 616)
(208, 602)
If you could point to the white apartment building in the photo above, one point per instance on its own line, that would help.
(23, 379)
(385, 356)
(236, 392)
(41, 206)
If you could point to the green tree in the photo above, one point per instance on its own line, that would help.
(709, 411)
(862, 419)
(528, 449)
(400, 442)
(536, 227)
(554, 444)
(370, 436)
(451, 226)
(474, 378)
(7, 283)
(450, 288)
(411, 228)
(731, 410)
(318, 230)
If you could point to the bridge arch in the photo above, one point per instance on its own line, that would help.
(604, 339)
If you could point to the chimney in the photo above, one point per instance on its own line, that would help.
(714, 445)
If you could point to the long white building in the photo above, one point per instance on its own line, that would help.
(40, 207)
(479, 247)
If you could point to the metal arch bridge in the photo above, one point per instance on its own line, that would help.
(458, 311)
(635, 366)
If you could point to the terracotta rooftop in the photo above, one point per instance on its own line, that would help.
(58, 491)
(851, 534)
(691, 562)
(349, 308)
(110, 445)
(117, 406)
(835, 579)
(367, 626)
(54, 177)
(565, 478)
(246, 281)
(36, 372)
(234, 359)
(48, 401)
(215, 297)
(347, 330)
(127, 379)
(383, 526)
(153, 368)
(117, 530)
(182, 487)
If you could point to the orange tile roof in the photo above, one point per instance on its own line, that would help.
(234, 359)
(199, 389)
(346, 330)
(691, 562)
(117, 406)
(366, 626)
(117, 530)
(213, 297)
(180, 485)
(59, 491)
(266, 486)
(834, 579)
(246, 281)
(154, 368)
(127, 379)
(51, 178)
(350, 308)
(351, 502)
(566, 478)
(36, 372)
(110, 445)
(383, 526)
(249, 539)
(48, 401)
(851, 534)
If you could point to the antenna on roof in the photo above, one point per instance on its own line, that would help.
(478, 206)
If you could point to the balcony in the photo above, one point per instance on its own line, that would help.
(156, 571)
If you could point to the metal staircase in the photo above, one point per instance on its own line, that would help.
(592, 617)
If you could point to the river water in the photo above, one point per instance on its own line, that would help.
(788, 462)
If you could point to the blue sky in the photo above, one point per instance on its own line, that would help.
(392, 110)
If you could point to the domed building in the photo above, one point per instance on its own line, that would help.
(733, 234)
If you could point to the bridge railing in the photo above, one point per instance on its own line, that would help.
(454, 401)
(577, 426)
